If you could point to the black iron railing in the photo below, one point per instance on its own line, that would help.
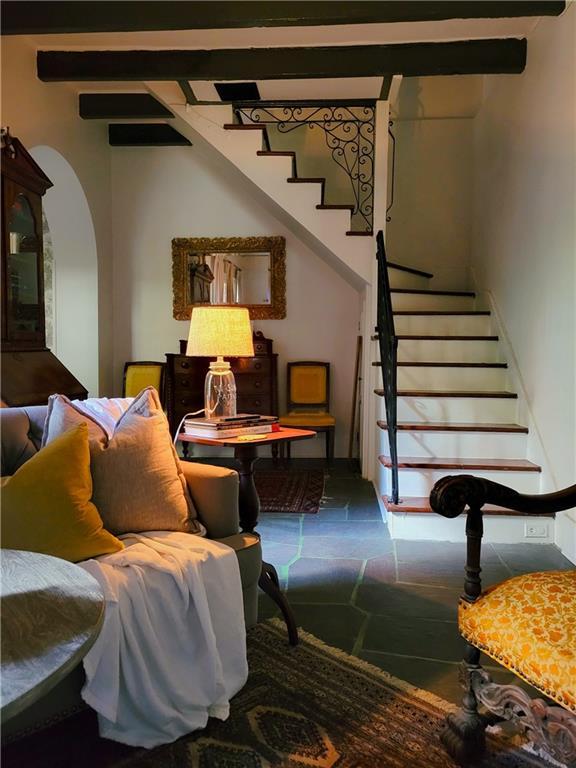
(388, 358)
(349, 133)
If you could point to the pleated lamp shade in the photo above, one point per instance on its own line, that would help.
(220, 331)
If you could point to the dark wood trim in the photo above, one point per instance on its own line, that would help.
(243, 127)
(48, 17)
(485, 465)
(440, 313)
(300, 180)
(365, 233)
(265, 153)
(443, 393)
(474, 57)
(427, 426)
(414, 337)
(385, 88)
(427, 292)
(187, 91)
(420, 505)
(452, 365)
(335, 207)
(410, 270)
(119, 106)
(145, 135)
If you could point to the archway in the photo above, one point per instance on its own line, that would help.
(75, 268)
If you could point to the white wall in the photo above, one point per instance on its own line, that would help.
(158, 194)
(431, 215)
(46, 114)
(524, 239)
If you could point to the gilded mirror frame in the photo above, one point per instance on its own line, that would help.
(182, 247)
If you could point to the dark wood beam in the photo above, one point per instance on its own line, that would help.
(469, 57)
(145, 135)
(24, 17)
(114, 106)
(187, 91)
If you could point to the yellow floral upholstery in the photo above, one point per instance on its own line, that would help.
(307, 419)
(528, 624)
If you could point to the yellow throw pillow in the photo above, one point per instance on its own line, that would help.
(46, 504)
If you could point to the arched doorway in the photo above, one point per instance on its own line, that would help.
(75, 268)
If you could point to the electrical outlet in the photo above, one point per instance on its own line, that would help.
(536, 530)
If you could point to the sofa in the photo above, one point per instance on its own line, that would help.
(214, 491)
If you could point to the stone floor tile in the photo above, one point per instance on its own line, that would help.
(360, 529)
(409, 636)
(333, 547)
(278, 554)
(337, 625)
(445, 576)
(523, 558)
(312, 580)
(381, 570)
(368, 511)
(408, 600)
(332, 502)
(332, 513)
(281, 530)
(438, 552)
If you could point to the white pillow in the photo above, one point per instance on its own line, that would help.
(137, 478)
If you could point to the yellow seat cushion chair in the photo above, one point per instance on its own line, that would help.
(528, 624)
(308, 401)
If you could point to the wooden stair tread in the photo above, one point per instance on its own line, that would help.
(489, 465)
(273, 153)
(413, 364)
(300, 180)
(431, 426)
(421, 505)
(243, 127)
(451, 393)
(410, 270)
(335, 207)
(429, 292)
(437, 312)
(421, 337)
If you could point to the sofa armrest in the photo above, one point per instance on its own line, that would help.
(214, 491)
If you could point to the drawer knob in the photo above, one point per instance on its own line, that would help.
(184, 383)
(257, 384)
(257, 403)
(257, 366)
(184, 364)
(259, 347)
(184, 401)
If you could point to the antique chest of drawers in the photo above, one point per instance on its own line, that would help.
(256, 381)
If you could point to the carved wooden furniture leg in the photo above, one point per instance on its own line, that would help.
(464, 737)
(269, 583)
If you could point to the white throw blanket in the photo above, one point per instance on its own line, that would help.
(172, 650)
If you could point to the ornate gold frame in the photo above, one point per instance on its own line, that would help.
(276, 246)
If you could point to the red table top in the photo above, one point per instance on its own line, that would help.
(284, 433)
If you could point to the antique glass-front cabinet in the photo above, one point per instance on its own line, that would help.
(30, 372)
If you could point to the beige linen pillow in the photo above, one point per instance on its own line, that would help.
(138, 482)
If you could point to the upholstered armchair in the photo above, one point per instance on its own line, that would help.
(526, 623)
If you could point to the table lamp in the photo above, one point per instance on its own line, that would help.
(220, 332)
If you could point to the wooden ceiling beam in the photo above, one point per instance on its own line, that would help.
(468, 57)
(28, 17)
(145, 135)
(120, 106)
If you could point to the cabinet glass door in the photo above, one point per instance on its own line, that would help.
(24, 292)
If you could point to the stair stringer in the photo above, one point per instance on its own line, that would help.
(323, 231)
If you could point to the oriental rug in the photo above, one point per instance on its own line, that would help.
(285, 490)
(316, 707)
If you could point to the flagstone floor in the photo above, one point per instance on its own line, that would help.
(392, 603)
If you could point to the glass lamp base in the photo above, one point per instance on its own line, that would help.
(219, 390)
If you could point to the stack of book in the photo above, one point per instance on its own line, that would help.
(230, 426)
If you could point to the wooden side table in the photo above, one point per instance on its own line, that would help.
(52, 612)
(246, 454)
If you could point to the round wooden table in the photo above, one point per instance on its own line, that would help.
(52, 611)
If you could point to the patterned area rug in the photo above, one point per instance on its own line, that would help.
(282, 490)
(316, 707)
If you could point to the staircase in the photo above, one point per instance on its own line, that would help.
(456, 413)
(296, 201)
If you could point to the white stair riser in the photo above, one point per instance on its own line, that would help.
(498, 529)
(419, 482)
(401, 279)
(432, 302)
(420, 350)
(480, 445)
(443, 325)
(487, 410)
(461, 379)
